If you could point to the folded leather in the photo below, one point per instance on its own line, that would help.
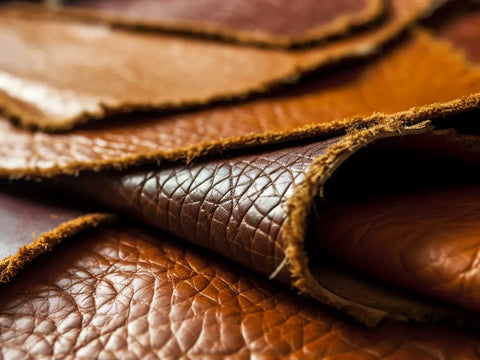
(267, 23)
(122, 292)
(150, 71)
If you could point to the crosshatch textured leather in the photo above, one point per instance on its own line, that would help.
(355, 186)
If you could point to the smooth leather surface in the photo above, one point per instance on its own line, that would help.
(280, 17)
(72, 90)
(425, 241)
(395, 82)
(123, 293)
(22, 218)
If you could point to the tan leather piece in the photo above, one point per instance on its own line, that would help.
(32, 223)
(266, 23)
(391, 85)
(73, 91)
(121, 292)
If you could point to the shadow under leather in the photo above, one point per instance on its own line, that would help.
(399, 223)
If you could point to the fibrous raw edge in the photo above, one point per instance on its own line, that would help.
(298, 209)
(187, 154)
(467, 73)
(300, 63)
(11, 265)
(343, 25)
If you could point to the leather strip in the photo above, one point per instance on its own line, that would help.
(265, 23)
(66, 94)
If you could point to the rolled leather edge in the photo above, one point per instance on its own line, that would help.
(206, 204)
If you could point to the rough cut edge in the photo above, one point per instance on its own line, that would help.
(189, 153)
(341, 26)
(299, 69)
(10, 266)
(298, 209)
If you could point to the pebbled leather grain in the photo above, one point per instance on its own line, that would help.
(121, 80)
(124, 293)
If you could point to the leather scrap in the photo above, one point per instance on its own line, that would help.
(73, 91)
(123, 292)
(265, 23)
(32, 224)
(385, 88)
(254, 209)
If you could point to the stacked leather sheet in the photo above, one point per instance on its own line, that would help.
(240, 179)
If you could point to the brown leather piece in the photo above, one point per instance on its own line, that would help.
(253, 209)
(463, 31)
(328, 104)
(272, 23)
(153, 67)
(121, 292)
(425, 240)
(33, 221)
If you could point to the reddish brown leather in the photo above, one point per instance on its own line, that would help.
(72, 90)
(234, 205)
(264, 22)
(22, 219)
(124, 293)
(396, 82)
(423, 241)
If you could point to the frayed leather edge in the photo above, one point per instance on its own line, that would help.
(298, 207)
(312, 61)
(10, 266)
(188, 154)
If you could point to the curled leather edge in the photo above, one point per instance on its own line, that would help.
(341, 26)
(11, 265)
(298, 209)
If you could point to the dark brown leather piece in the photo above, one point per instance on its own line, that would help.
(73, 91)
(34, 220)
(330, 103)
(263, 22)
(121, 292)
